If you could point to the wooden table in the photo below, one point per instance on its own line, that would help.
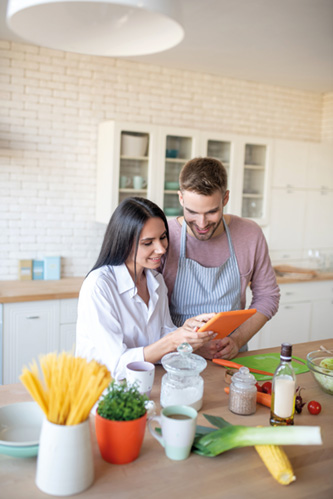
(237, 473)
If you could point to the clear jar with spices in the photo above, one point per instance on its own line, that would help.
(243, 393)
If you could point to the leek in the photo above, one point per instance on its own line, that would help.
(232, 436)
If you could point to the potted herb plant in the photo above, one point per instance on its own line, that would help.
(120, 423)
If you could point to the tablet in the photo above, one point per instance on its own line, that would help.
(225, 323)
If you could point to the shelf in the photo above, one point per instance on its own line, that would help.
(135, 158)
(176, 160)
(131, 190)
(169, 191)
(254, 167)
(252, 195)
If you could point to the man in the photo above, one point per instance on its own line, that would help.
(213, 257)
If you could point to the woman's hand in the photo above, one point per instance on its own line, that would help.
(188, 332)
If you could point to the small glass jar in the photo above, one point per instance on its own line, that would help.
(243, 393)
(182, 384)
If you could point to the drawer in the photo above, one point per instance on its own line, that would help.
(68, 311)
(296, 292)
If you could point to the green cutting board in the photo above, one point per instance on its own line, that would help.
(269, 362)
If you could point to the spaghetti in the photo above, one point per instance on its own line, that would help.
(70, 386)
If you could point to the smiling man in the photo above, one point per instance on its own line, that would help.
(213, 257)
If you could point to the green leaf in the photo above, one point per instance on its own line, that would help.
(217, 421)
(122, 402)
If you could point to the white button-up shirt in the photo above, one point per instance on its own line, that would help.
(114, 323)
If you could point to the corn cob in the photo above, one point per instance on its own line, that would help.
(277, 463)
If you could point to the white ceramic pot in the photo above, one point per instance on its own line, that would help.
(65, 462)
(134, 145)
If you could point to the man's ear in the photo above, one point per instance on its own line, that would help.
(226, 198)
(180, 196)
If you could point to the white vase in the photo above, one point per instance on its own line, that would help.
(65, 461)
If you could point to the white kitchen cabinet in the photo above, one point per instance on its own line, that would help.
(228, 150)
(67, 338)
(305, 314)
(176, 147)
(322, 310)
(290, 169)
(287, 219)
(125, 151)
(248, 161)
(256, 179)
(303, 165)
(67, 331)
(291, 324)
(318, 219)
(34, 328)
(320, 166)
(30, 329)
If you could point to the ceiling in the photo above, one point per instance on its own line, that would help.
(286, 43)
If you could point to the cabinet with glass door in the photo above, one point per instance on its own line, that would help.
(124, 168)
(178, 146)
(222, 147)
(145, 160)
(255, 181)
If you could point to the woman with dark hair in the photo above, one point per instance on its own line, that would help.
(123, 312)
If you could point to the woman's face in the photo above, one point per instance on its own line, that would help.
(153, 243)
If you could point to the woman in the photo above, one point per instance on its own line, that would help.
(123, 312)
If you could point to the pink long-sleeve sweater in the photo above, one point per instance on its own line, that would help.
(252, 257)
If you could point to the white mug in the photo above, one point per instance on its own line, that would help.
(139, 182)
(178, 424)
(142, 373)
(124, 182)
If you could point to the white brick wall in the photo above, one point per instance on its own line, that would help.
(51, 105)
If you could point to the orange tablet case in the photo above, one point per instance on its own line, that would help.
(225, 323)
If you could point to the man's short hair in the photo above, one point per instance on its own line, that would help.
(203, 176)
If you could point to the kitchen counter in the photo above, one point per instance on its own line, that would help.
(69, 287)
(236, 473)
(20, 291)
(291, 278)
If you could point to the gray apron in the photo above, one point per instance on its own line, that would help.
(199, 289)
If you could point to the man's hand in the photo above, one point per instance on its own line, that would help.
(227, 348)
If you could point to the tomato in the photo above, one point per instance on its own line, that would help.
(267, 387)
(314, 407)
(259, 388)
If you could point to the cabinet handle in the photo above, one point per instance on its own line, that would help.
(288, 306)
(32, 317)
(289, 293)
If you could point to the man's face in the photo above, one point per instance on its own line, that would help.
(203, 214)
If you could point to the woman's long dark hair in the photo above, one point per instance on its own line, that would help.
(124, 229)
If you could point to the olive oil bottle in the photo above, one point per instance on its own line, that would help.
(283, 390)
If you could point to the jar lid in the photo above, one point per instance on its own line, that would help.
(244, 376)
(184, 362)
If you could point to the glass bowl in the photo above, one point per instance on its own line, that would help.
(322, 375)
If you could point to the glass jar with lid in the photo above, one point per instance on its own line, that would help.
(243, 392)
(182, 384)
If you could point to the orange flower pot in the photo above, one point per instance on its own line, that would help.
(120, 441)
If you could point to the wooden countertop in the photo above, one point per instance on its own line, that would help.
(234, 474)
(18, 291)
(69, 287)
(320, 276)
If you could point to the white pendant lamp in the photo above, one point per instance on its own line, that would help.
(98, 27)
